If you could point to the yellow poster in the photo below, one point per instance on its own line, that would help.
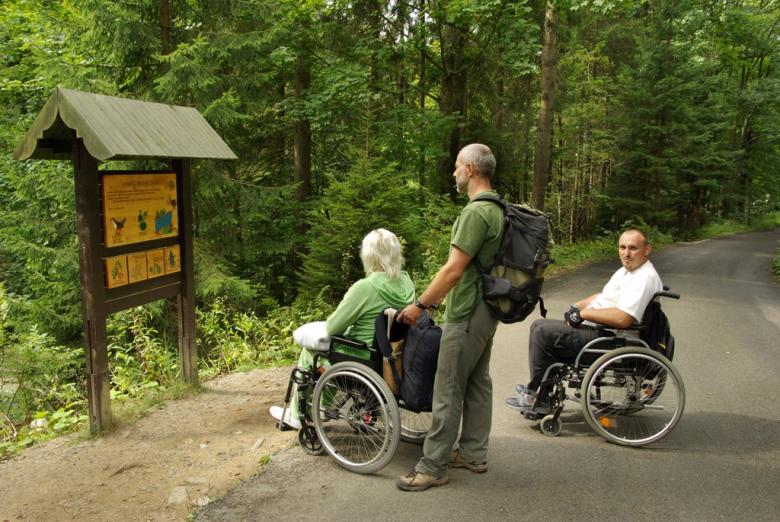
(172, 260)
(155, 263)
(116, 271)
(139, 207)
(136, 267)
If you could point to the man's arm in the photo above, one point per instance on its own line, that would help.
(613, 317)
(442, 283)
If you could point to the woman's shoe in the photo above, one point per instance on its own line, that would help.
(289, 420)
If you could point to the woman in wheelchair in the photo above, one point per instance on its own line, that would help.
(385, 285)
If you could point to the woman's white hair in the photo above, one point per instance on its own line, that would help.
(381, 252)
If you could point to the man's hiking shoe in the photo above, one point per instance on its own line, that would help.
(416, 481)
(456, 461)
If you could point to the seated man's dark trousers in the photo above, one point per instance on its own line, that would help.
(552, 341)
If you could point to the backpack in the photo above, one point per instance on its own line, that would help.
(421, 355)
(656, 331)
(512, 283)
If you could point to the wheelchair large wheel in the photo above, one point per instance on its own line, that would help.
(632, 396)
(356, 417)
(415, 426)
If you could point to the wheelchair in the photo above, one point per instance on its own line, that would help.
(630, 394)
(348, 410)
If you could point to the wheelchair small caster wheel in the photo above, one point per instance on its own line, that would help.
(308, 440)
(551, 426)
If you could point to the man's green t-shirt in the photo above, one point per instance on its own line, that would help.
(477, 232)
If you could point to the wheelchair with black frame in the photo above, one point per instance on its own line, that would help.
(348, 409)
(630, 394)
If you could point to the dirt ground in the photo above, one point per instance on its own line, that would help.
(161, 467)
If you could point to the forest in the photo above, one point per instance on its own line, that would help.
(347, 115)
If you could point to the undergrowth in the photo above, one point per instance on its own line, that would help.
(42, 384)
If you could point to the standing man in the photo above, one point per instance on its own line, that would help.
(463, 388)
(620, 304)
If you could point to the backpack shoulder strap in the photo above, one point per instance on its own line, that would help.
(487, 196)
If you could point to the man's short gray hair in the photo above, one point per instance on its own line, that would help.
(381, 252)
(481, 157)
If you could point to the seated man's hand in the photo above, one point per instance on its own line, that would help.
(573, 317)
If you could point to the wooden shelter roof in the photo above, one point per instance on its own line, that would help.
(119, 129)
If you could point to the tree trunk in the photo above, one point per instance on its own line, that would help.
(422, 83)
(452, 102)
(302, 134)
(165, 27)
(544, 130)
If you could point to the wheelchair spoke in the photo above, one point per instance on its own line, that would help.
(355, 419)
(632, 396)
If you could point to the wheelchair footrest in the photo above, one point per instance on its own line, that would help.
(532, 415)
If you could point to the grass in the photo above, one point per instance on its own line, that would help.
(728, 227)
(127, 411)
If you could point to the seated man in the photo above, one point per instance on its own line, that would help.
(620, 304)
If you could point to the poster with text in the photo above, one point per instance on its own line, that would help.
(139, 207)
(136, 267)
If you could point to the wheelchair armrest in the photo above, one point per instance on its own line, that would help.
(600, 326)
(346, 341)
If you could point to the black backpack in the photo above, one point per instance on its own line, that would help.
(512, 283)
(656, 331)
(421, 354)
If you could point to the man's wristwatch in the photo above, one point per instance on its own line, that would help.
(419, 304)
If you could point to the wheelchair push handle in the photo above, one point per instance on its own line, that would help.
(666, 293)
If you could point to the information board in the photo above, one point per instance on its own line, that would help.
(139, 207)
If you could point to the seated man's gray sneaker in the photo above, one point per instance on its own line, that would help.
(457, 461)
(522, 388)
(416, 481)
(527, 402)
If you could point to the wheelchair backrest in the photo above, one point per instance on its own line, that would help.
(655, 329)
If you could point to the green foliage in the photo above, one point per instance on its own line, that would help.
(40, 382)
(776, 265)
(727, 227)
(666, 114)
(372, 194)
(229, 340)
(140, 357)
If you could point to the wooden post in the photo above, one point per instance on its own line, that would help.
(93, 294)
(188, 351)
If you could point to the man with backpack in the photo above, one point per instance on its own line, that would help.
(462, 388)
(620, 304)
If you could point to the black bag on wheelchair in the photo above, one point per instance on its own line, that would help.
(656, 331)
(390, 339)
(421, 355)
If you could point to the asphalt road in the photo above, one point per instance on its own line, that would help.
(722, 461)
